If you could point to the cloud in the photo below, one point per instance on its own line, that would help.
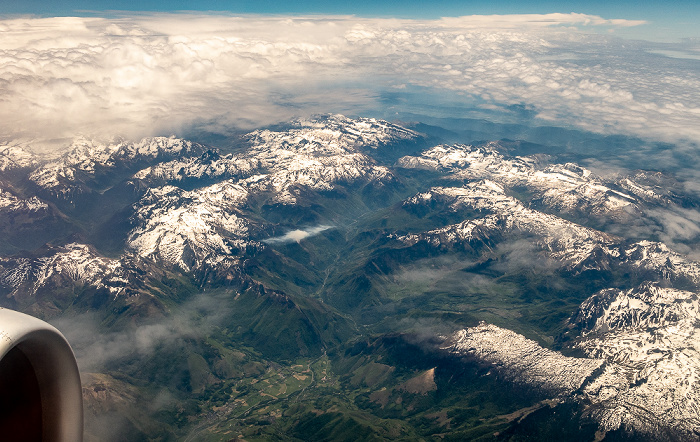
(297, 235)
(101, 350)
(96, 349)
(515, 21)
(162, 74)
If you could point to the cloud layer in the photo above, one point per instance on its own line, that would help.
(162, 74)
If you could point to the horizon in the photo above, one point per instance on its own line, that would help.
(169, 73)
(664, 22)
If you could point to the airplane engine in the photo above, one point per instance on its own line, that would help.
(40, 392)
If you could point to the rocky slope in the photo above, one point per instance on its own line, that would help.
(190, 229)
(642, 365)
(51, 279)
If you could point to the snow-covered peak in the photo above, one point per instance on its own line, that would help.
(641, 370)
(205, 226)
(11, 203)
(480, 195)
(504, 215)
(477, 162)
(15, 157)
(321, 152)
(78, 263)
(210, 165)
(316, 153)
(331, 134)
(648, 307)
(562, 187)
(494, 216)
(188, 229)
(664, 262)
(85, 153)
(86, 158)
(649, 335)
(524, 360)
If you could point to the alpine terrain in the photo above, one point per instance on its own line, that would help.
(338, 278)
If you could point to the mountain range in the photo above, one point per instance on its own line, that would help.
(338, 278)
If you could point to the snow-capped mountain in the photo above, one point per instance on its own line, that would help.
(315, 153)
(641, 369)
(54, 272)
(209, 166)
(189, 229)
(331, 134)
(206, 225)
(664, 263)
(15, 157)
(9, 203)
(642, 366)
(652, 186)
(568, 242)
(643, 379)
(87, 160)
(184, 213)
(524, 360)
(321, 152)
(575, 247)
(649, 334)
(559, 187)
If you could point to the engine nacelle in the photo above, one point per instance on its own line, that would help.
(40, 392)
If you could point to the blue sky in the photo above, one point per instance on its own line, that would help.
(667, 20)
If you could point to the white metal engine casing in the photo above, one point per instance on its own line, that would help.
(39, 381)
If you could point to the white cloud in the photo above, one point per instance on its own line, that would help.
(297, 235)
(95, 349)
(158, 74)
(535, 20)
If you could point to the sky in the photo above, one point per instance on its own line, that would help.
(132, 69)
(666, 20)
